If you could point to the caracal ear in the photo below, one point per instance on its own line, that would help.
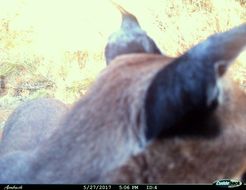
(189, 87)
(220, 49)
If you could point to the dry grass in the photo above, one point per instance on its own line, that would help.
(55, 48)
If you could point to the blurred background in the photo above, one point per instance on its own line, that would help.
(56, 48)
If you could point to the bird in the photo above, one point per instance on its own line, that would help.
(130, 38)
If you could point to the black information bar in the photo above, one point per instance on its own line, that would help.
(111, 187)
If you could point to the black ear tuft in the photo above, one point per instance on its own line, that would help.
(202, 124)
(189, 85)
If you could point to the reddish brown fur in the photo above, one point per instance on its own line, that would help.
(167, 160)
(93, 124)
(194, 160)
(103, 138)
